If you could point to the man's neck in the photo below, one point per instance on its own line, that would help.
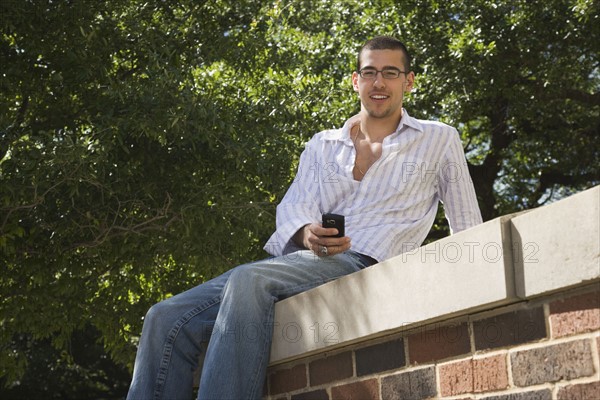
(377, 129)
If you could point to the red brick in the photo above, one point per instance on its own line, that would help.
(544, 394)
(287, 380)
(490, 373)
(584, 391)
(564, 361)
(474, 376)
(363, 390)
(509, 329)
(380, 357)
(438, 343)
(576, 314)
(331, 369)
(456, 378)
(320, 394)
(416, 384)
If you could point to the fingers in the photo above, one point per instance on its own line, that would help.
(321, 242)
(318, 230)
(322, 250)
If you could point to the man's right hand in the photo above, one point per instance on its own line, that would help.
(320, 240)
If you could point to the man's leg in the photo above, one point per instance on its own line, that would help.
(238, 351)
(171, 342)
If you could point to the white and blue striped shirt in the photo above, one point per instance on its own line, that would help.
(394, 206)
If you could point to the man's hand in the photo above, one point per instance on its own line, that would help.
(320, 240)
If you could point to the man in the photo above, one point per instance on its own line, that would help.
(383, 170)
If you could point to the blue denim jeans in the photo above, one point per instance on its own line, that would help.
(234, 314)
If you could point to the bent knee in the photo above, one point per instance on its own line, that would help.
(250, 282)
(248, 274)
(159, 312)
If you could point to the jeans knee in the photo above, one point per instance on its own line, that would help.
(249, 274)
(159, 314)
(250, 279)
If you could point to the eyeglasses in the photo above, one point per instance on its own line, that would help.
(388, 73)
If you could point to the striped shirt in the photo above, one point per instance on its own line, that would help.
(394, 206)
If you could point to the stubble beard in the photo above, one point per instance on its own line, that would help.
(382, 114)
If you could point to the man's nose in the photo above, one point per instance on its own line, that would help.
(379, 81)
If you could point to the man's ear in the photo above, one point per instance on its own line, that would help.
(355, 81)
(410, 81)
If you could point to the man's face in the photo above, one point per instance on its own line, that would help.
(381, 97)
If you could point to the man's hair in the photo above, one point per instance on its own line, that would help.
(385, 43)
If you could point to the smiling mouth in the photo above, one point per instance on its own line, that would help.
(379, 97)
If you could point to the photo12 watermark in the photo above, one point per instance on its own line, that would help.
(470, 252)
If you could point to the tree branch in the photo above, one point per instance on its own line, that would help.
(551, 177)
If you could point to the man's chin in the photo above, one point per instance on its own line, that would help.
(380, 114)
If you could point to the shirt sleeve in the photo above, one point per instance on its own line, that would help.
(299, 206)
(456, 189)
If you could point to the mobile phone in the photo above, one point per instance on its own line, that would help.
(334, 221)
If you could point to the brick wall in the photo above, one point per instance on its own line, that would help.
(544, 348)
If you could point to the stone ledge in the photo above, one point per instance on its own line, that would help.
(465, 374)
(558, 245)
(474, 270)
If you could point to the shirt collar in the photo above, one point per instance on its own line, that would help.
(343, 134)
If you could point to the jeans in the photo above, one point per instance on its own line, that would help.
(235, 311)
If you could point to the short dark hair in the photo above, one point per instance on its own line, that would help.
(385, 43)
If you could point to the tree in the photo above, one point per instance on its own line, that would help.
(145, 145)
(521, 79)
(125, 137)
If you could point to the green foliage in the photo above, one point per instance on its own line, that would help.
(145, 145)
(521, 79)
(84, 372)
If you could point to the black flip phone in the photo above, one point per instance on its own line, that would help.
(334, 221)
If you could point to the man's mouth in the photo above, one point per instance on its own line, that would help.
(379, 96)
